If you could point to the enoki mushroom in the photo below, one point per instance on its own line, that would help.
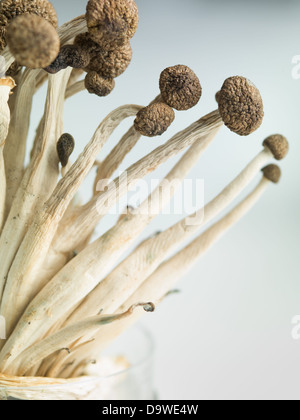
(54, 278)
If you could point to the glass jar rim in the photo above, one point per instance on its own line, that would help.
(87, 380)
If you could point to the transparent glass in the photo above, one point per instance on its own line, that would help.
(133, 383)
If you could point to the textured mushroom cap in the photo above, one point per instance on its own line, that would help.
(98, 85)
(180, 87)
(69, 55)
(217, 96)
(154, 119)
(33, 41)
(107, 63)
(272, 173)
(112, 22)
(240, 105)
(278, 145)
(65, 147)
(9, 9)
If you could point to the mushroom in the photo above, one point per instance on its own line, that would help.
(69, 56)
(65, 147)
(278, 145)
(154, 119)
(180, 87)
(111, 22)
(167, 274)
(272, 173)
(108, 63)
(240, 105)
(9, 9)
(33, 41)
(98, 85)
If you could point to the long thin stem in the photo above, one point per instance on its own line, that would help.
(23, 280)
(61, 340)
(164, 278)
(149, 255)
(79, 225)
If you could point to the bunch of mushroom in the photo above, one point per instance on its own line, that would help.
(53, 277)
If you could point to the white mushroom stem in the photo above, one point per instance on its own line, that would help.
(131, 272)
(117, 155)
(23, 278)
(16, 142)
(157, 200)
(5, 90)
(78, 226)
(74, 89)
(67, 240)
(67, 288)
(39, 179)
(61, 340)
(165, 277)
(8, 60)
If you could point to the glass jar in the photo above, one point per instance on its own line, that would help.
(134, 381)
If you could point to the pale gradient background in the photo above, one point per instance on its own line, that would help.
(228, 334)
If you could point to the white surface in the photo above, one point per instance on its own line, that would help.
(228, 334)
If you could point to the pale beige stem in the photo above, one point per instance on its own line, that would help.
(23, 281)
(38, 182)
(122, 281)
(114, 159)
(6, 84)
(8, 59)
(15, 147)
(75, 88)
(61, 340)
(156, 202)
(74, 230)
(164, 278)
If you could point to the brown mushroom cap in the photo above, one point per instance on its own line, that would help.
(180, 87)
(69, 56)
(107, 63)
(33, 41)
(98, 85)
(65, 147)
(278, 145)
(9, 9)
(111, 22)
(154, 119)
(272, 173)
(240, 105)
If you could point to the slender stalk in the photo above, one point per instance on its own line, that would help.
(131, 272)
(61, 340)
(23, 281)
(16, 142)
(77, 227)
(39, 180)
(163, 279)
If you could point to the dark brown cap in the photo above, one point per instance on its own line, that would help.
(278, 145)
(65, 147)
(9, 9)
(112, 23)
(154, 119)
(180, 87)
(240, 105)
(69, 56)
(272, 173)
(107, 63)
(98, 85)
(33, 41)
